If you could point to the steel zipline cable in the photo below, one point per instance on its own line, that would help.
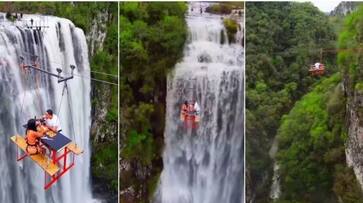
(103, 73)
(95, 79)
(91, 78)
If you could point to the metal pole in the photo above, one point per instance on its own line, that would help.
(43, 71)
(60, 78)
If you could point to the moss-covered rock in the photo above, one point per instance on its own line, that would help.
(359, 87)
(224, 8)
(105, 164)
(232, 28)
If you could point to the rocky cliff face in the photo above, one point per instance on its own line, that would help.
(354, 145)
(345, 8)
(102, 131)
(97, 34)
(138, 182)
(351, 65)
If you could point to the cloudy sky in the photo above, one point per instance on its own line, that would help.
(325, 5)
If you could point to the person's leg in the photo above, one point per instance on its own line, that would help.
(31, 150)
(41, 150)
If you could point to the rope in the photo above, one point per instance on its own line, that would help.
(37, 91)
(22, 103)
(70, 109)
(61, 101)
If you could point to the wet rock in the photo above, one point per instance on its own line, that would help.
(204, 58)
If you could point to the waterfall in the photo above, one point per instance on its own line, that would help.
(275, 190)
(25, 95)
(206, 164)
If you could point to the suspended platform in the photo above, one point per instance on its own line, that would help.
(317, 71)
(190, 120)
(55, 164)
(43, 161)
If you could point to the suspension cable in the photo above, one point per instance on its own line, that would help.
(103, 73)
(61, 100)
(92, 71)
(94, 79)
(26, 75)
(70, 109)
(37, 90)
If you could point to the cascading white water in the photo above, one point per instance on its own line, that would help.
(23, 96)
(205, 165)
(275, 187)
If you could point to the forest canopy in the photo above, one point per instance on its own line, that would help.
(152, 39)
(283, 40)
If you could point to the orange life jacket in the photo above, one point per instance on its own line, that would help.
(31, 138)
(184, 109)
(32, 141)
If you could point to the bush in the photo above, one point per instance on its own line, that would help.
(311, 146)
(224, 8)
(105, 163)
(139, 146)
(232, 27)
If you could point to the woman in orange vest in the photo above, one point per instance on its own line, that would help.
(184, 111)
(33, 136)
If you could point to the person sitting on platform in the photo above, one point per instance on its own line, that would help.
(184, 110)
(52, 121)
(191, 109)
(33, 136)
(196, 108)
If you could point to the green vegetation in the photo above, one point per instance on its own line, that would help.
(349, 58)
(312, 136)
(224, 7)
(151, 42)
(105, 164)
(311, 148)
(82, 14)
(138, 144)
(232, 28)
(283, 40)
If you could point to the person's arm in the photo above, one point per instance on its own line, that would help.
(41, 133)
(52, 128)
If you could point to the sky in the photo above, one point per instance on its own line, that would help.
(326, 5)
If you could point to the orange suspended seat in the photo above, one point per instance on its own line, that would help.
(317, 71)
(44, 162)
(190, 120)
(58, 162)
